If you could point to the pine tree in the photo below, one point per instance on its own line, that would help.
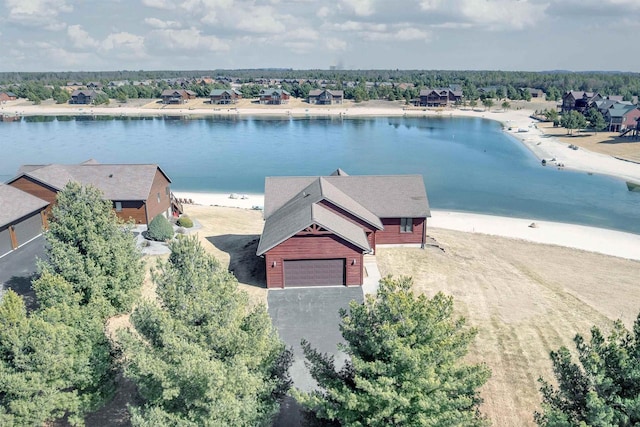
(203, 357)
(602, 389)
(404, 366)
(90, 248)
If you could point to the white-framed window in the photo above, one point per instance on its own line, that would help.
(406, 225)
(158, 197)
(118, 206)
(166, 190)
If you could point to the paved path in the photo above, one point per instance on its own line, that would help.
(310, 313)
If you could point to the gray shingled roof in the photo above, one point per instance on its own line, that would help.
(116, 181)
(386, 196)
(300, 213)
(291, 204)
(17, 204)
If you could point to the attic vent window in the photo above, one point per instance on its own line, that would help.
(110, 175)
(305, 194)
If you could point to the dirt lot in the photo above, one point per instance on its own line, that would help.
(602, 142)
(525, 299)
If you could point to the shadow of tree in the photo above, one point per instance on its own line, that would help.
(244, 263)
(22, 286)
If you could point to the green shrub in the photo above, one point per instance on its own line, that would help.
(160, 229)
(185, 221)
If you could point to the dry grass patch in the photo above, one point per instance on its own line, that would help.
(602, 142)
(232, 235)
(525, 299)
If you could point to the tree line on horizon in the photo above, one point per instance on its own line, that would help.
(200, 354)
(553, 83)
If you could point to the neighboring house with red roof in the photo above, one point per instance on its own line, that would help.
(138, 192)
(22, 218)
(317, 229)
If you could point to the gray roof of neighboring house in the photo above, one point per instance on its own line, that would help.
(272, 91)
(620, 110)
(219, 92)
(86, 92)
(116, 181)
(318, 92)
(17, 204)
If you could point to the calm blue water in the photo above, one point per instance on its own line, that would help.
(468, 164)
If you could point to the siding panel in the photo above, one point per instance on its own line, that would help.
(392, 235)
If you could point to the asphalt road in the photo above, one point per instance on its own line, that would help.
(18, 267)
(312, 314)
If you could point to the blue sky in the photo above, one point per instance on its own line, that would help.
(58, 35)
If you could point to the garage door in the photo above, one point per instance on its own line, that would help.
(5, 242)
(28, 229)
(314, 272)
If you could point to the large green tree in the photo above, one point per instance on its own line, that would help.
(55, 362)
(90, 248)
(602, 388)
(203, 356)
(405, 364)
(596, 120)
(573, 120)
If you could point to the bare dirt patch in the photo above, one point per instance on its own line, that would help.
(526, 299)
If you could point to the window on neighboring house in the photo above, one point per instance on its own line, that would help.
(406, 225)
(158, 197)
(166, 190)
(118, 206)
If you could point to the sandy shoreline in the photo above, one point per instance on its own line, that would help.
(592, 239)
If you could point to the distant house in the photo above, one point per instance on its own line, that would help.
(317, 229)
(622, 117)
(535, 93)
(8, 96)
(274, 96)
(94, 85)
(326, 96)
(84, 96)
(441, 97)
(579, 101)
(177, 96)
(22, 218)
(138, 192)
(225, 96)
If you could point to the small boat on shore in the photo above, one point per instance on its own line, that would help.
(633, 186)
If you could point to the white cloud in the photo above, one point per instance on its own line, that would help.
(81, 39)
(186, 40)
(303, 34)
(40, 13)
(404, 34)
(360, 7)
(260, 20)
(160, 24)
(323, 12)
(503, 14)
(336, 44)
(159, 4)
(123, 43)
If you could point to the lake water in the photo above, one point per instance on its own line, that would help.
(468, 164)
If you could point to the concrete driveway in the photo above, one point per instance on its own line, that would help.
(310, 313)
(18, 267)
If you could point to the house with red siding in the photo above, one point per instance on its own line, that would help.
(8, 96)
(138, 192)
(274, 96)
(318, 229)
(177, 96)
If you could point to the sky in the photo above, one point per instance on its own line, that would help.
(528, 35)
